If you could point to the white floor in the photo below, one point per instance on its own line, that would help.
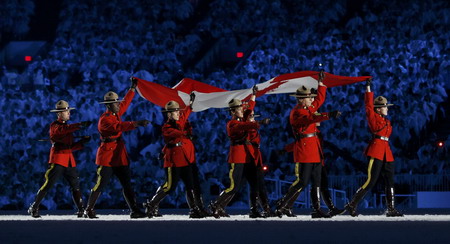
(176, 217)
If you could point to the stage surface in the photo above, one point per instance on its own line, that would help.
(115, 226)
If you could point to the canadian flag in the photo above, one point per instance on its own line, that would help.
(208, 96)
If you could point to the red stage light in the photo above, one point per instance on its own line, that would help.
(28, 58)
(239, 54)
(440, 144)
(265, 168)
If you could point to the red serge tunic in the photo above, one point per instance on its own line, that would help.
(240, 148)
(62, 143)
(113, 152)
(303, 121)
(290, 147)
(179, 150)
(253, 136)
(379, 126)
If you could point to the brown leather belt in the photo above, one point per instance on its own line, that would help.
(255, 144)
(61, 146)
(171, 145)
(381, 137)
(240, 143)
(299, 136)
(111, 139)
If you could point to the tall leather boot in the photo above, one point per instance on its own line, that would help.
(326, 196)
(290, 205)
(33, 210)
(200, 204)
(254, 211)
(353, 204)
(130, 198)
(194, 210)
(218, 207)
(225, 203)
(78, 200)
(151, 205)
(264, 200)
(89, 211)
(390, 199)
(285, 204)
(156, 212)
(315, 199)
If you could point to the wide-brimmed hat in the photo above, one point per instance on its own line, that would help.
(172, 106)
(381, 102)
(111, 97)
(234, 103)
(61, 106)
(303, 92)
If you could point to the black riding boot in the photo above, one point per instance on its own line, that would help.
(254, 211)
(130, 198)
(290, 207)
(194, 210)
(264, 200)
(89, 211)
(390, 199)
(33, 210)
(218, 207)
(333, 210)
(315, 199)
(199, 201)
(353, 204)
(78, 200)
(152, 205)
(156, 212)
(286, 203)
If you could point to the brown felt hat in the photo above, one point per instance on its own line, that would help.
(172, 106)
(234, 103)
(61, 106)
(303, 92)
(111, 97)
(381, 102)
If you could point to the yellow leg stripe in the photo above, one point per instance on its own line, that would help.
(231, 179)
(168, 184)
(369, 176)
(297, 174)
(99, 178)
(46, 177)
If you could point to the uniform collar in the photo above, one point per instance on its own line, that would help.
(109, 112)
(61, 121)
(304, 107)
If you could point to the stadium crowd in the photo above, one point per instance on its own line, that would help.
(402, 44)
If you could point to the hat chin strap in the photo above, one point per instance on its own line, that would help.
(110, 108)
(379, 111)
(302, 102)
(59, 115)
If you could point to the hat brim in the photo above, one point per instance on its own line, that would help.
(382, 105)
(230, 108)
(303, 96)
(172, 110)
(115, 101)
(61, 110)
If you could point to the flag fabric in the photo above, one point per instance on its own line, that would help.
(187, 85)
(158, 94)
(208, 96)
